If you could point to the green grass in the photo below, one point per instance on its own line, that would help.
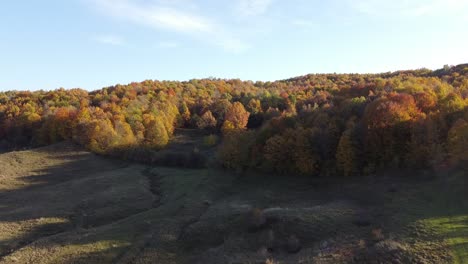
(71, 206)
(450, 210)
(454, 231)
(432, 215)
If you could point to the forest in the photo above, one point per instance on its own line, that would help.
(313, 125)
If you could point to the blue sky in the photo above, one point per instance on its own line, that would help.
(95, 43)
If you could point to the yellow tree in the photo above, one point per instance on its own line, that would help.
(185, 114)
(236, 118)
(102, 136)
(125, 136)
(277, 153)
(306, 160)
(346, 156)
(388, 128)
(458, 142)
(156, 135)
(206, 121)
(292, 151)
(254, 106)
(235, 151)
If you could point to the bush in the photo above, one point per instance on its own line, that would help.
(235, 152)
(210, 141)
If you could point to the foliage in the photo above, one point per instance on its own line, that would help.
(210, 140)
(319, 124)
(236, 118)
(235, 151)
(207, 121)
(458, 142)
(347, 153)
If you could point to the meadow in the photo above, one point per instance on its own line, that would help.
(62, 204)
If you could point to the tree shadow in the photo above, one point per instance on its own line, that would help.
(86, 203)
(77, 191)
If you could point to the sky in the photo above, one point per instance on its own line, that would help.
(92, 44)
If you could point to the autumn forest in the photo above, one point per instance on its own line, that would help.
(314, 125)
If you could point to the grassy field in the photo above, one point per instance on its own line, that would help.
(448, 215)
(61, 204)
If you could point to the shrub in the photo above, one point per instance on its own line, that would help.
(210, 141)
(235, 151)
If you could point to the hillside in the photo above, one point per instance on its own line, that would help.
(234, 132)
(324, 168)
(318, 125)
(61, 204)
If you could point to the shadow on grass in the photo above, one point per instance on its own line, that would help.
(85, 190)
(78, 190)
(446, 214)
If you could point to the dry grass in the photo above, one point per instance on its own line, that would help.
(59, 189)
(64, 205)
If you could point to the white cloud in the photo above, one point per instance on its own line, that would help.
(110, 40)
(253, 7)
(154, 15)
(160, 16)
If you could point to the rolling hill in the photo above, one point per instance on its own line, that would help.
(61, 204)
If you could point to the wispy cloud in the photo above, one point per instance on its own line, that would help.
(110, 40)
(154, 15)
(253, 7)
(159, 15)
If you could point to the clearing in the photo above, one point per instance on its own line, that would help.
(61, 204)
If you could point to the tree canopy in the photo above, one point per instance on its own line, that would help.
(319, 124)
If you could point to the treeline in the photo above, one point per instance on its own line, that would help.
(323, 124)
